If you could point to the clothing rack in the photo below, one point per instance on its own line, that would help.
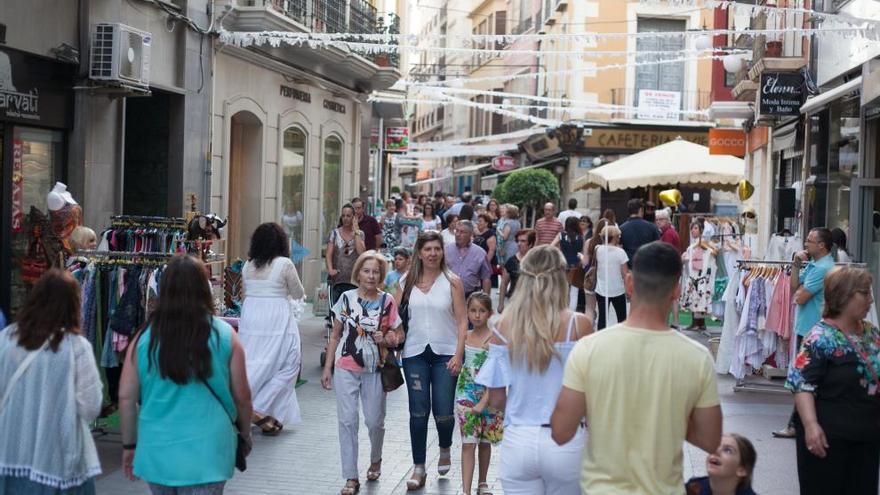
(134, 220)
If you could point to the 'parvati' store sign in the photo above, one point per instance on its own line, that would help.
(637, 140)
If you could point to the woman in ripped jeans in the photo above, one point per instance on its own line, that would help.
(433, 350)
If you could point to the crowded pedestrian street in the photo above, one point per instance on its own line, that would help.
(457, 247)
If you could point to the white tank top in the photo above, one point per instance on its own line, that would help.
(431, 320)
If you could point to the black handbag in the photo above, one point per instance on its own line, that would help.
(392, 377)
(242, 449)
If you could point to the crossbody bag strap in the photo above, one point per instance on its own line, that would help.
(220, 402)
(20, 371)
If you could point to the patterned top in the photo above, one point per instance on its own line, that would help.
(357, 351)
(832, 366)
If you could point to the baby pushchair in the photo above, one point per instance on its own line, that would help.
(336, 290)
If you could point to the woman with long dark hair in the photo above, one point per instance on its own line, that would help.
(44, 411)
(571, 242)
(345, 244)
(268, 329)
(186, 370)
(433, 351)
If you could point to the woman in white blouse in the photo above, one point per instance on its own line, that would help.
(611, 271)
(434, 349)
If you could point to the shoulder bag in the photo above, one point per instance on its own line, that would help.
(242, 449)
(392, 377)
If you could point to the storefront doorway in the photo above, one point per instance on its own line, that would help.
(864, 236)
(245, 181)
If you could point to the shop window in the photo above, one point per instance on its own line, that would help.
(37, 154)
(293, 161)
(666, 77)
(843, 159)
(816, 189)
(332, 185)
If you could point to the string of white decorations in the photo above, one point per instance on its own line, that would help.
(485, 150)
(771, 11)
(403, 83)
(509, 135)
(595, 108)
(391, 41)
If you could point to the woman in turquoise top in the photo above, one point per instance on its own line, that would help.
(182, 439)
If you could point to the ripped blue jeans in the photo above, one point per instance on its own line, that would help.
(430, 388)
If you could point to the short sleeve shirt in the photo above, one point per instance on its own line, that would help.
(361, 317)
(641, 387)
(371, 229)
(609, 259)
(546, 230)
(813, 279)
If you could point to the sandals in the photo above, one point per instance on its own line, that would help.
(444, 464)
(373, 474)
(351, 487)
(269, 426)
(418, 479)
(483, 489)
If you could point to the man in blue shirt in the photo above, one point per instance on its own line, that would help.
(636, 231)
(809, 292)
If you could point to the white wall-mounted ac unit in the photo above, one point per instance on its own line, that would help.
(120, 54)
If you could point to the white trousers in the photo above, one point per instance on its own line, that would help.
(532, 463)
(349, 387)
(573, 297)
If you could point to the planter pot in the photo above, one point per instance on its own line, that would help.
(774, 49)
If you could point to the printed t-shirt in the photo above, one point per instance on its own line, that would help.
(361, 317)
(641, 387)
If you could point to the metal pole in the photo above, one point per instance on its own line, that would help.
(379, 181)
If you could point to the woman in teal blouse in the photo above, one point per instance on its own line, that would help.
(182, 436)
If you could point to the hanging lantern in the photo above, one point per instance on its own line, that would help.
(744, 190)
(733, 63)
(703, 42)
(670, 197)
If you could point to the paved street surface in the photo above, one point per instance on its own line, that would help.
(304, 459)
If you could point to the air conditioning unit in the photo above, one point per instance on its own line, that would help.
(120, 54)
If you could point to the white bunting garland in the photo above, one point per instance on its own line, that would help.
(491, 137)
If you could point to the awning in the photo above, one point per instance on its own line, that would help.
(784, 137)
(676, 162)
(471, 168)
(817, 103)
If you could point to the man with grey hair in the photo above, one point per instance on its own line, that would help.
(468, 261)
(668, 234)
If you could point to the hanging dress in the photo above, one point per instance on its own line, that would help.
(270, 337)
(698, 280)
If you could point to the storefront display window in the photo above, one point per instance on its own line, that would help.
(843, 159)
(816, 186)
(292, 187)
(36, 156)
(331, 185)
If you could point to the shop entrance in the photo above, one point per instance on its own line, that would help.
(245, 181)
(865, 234)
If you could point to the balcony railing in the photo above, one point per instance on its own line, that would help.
(690, 101)
(523, 26)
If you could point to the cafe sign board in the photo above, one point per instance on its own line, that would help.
(503, 163)
(634, 140)
(781, 94)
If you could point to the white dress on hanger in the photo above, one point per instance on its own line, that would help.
(270, 337)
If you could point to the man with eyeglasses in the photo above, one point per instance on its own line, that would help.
(809, 294)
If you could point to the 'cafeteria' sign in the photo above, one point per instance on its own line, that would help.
(782, 93)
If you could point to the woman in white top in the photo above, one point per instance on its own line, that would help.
(448, 233)
(429, 219)
(268, 330)
(524, 375)
(611, 271)
(433, 351)
(49, 391)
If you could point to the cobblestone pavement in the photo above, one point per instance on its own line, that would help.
(304, 459)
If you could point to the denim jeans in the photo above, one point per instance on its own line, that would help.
(430, 388)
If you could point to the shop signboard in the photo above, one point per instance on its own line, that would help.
(396, 139)
(632, 140)
(17, 186)
(659, 105)
(727, 142)
(35, 90)
(503, 163)
(781, 94)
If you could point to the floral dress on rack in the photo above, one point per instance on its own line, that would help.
(486, 426)
(698, 280)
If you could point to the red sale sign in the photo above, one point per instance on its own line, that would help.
(503, 163)
(17, 186)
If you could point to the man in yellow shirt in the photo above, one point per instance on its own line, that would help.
(644, 389)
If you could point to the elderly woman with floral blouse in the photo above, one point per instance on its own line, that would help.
(835, 381)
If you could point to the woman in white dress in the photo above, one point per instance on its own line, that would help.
(268, 329)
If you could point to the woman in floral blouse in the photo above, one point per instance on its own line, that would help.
(835, 381)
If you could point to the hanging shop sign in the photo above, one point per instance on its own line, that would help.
(638, 139)
(781, 94)
(503, 163)
(396, 139)
(727, 142)
(659, 105)
(35, 90)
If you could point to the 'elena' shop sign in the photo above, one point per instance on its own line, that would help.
(782, 94)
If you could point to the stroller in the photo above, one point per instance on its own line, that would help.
(335, 292)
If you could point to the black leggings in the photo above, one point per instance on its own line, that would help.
(849, 468)
(619, 304)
